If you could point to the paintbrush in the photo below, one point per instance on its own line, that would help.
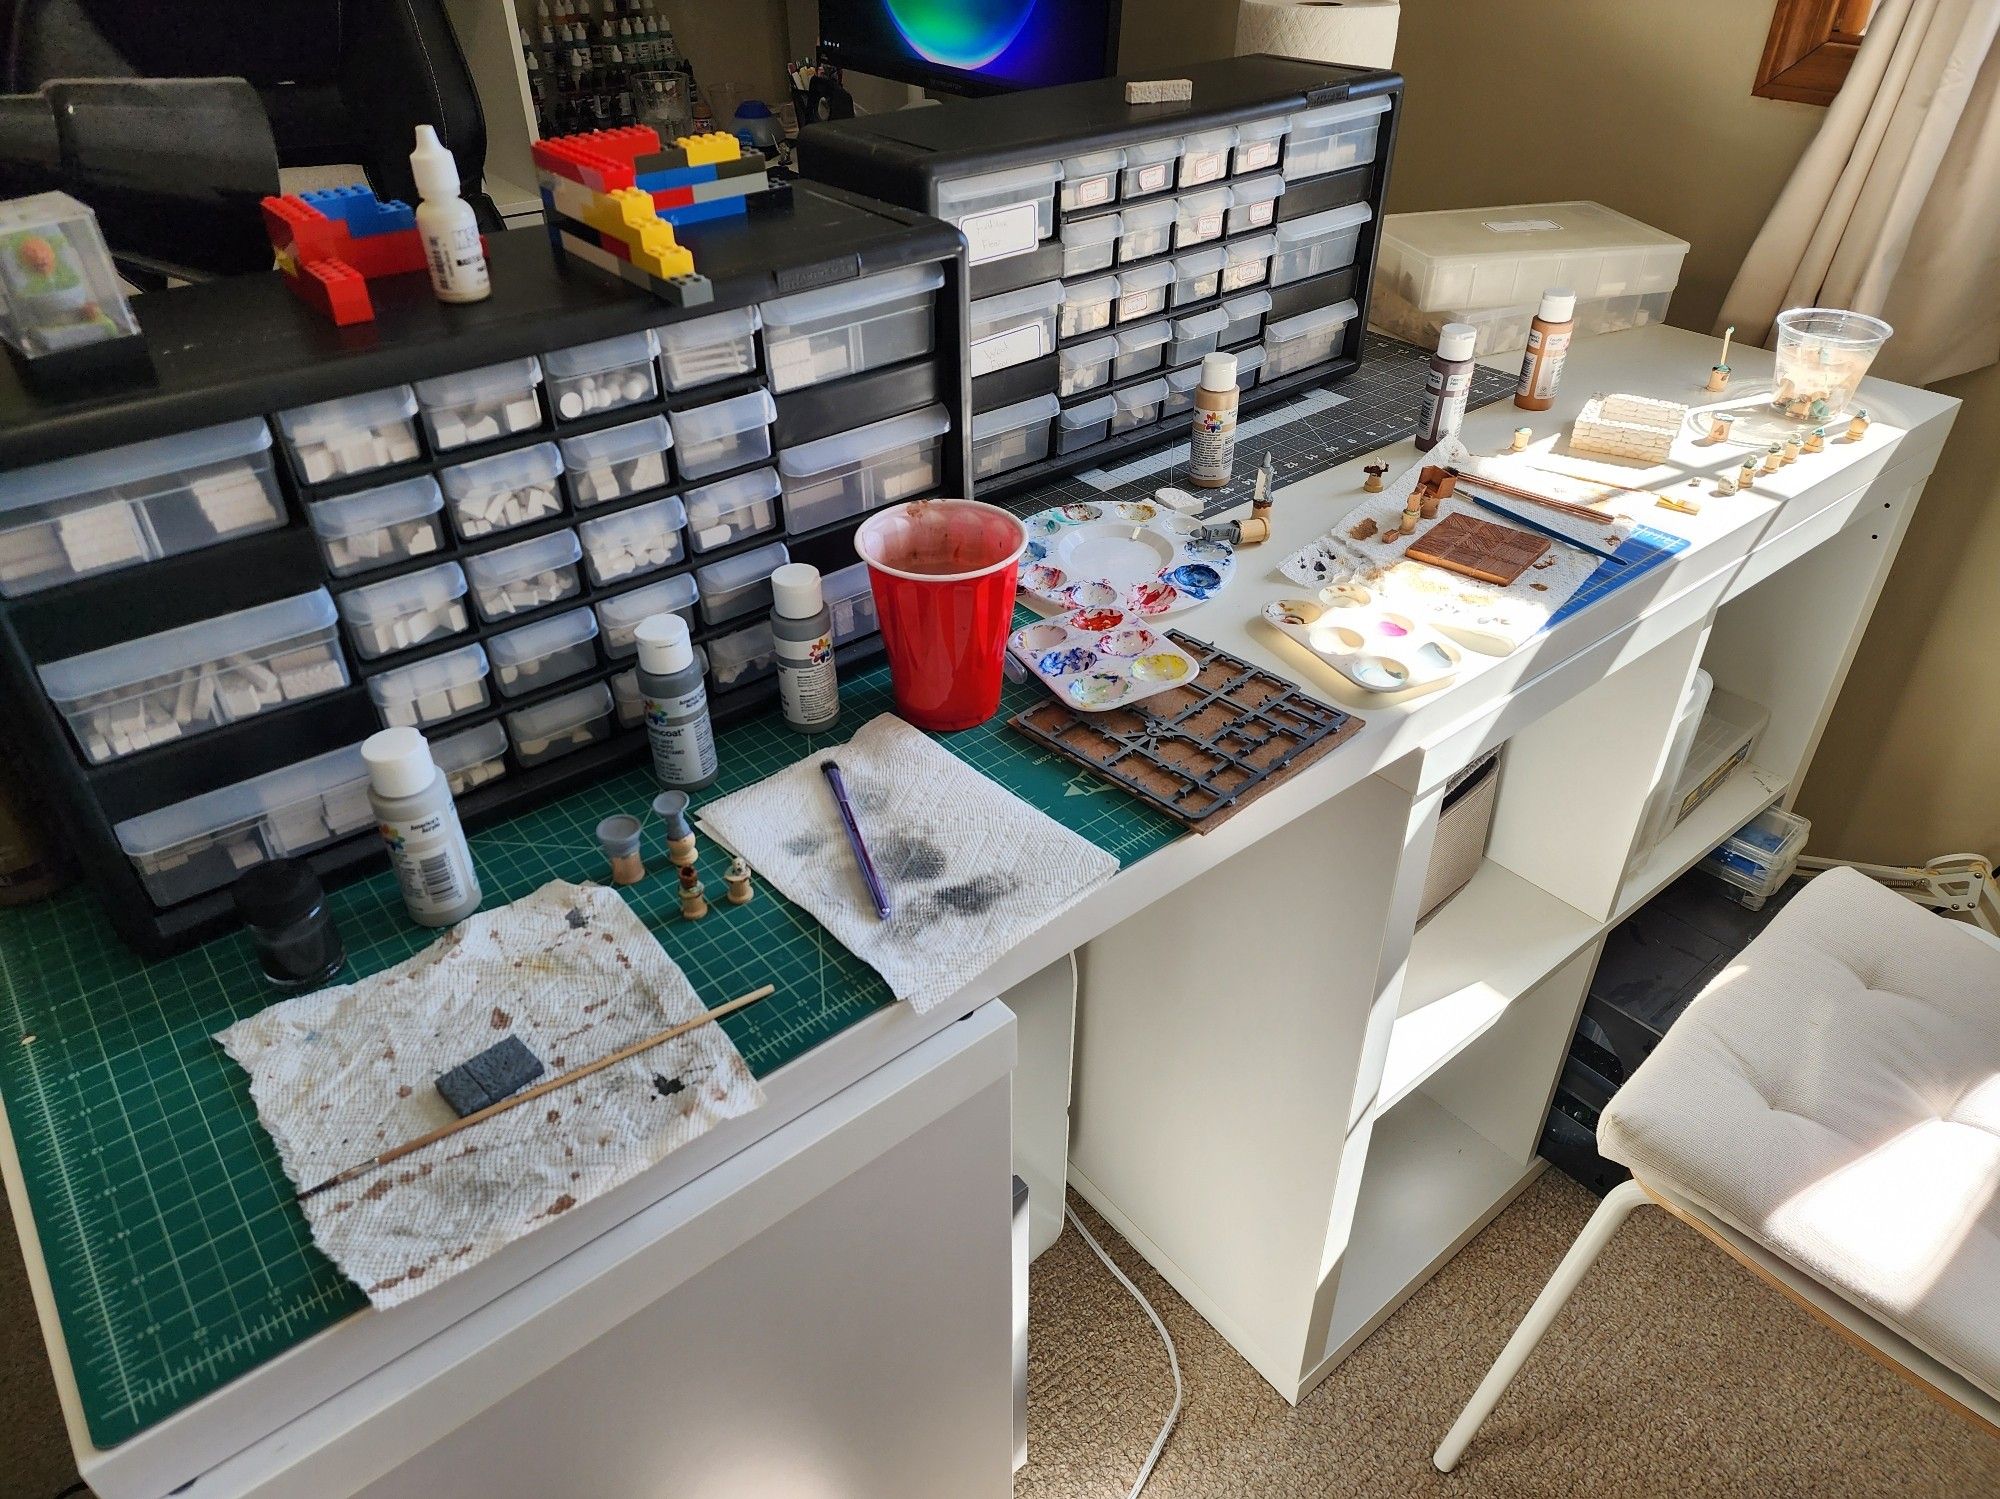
(1514, 491)
(1549, 531)
(876, 893)
(575, 1074)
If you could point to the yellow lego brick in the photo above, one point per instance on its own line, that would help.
(706, 150)
(660, 256)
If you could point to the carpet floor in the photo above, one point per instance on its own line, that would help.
(1671, 1372)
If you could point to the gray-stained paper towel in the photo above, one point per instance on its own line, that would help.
(970, 868)
(343, 1074)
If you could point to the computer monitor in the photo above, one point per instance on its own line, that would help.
(972, 46)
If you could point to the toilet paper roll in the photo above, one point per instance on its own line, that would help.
(1358, 32)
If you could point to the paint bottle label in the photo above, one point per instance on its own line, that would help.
(432, 862)
(1212, 450)
(1445, 394)
(681, 737)
(1542, 364)
(808, 685)
(457, 263)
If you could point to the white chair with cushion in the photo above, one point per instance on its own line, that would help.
(1828, 1112)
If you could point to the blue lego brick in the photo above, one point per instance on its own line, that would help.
(362, 212)
(654, 182)
(696, 213)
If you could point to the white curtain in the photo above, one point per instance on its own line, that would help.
(1895, 207)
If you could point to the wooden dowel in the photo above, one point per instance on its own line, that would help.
(444, 1132)
(1581, 512)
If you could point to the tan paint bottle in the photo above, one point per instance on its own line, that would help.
(1548, 347)
(1212, 452)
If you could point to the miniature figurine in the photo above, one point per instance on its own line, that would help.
(1746, 476)
(1816, 440)
(694, 902)
(737, 878)
(1774, 458)
(1521, 438)
(1858, 425)
(1718, 375)
(1792, 449)
(1373, 483)
(58, 290)
(1719, 424)
(671, 808)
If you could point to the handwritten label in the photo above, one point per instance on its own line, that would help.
(1000, 232)
(1004, 350)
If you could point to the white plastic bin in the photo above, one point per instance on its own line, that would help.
(739, 585)
(1246, 316)
(643, 539)
(1090, 245)
(1197, 275)
(1310, 338)
(617, 461)
(603, 376)
(1013, 328)
(432, 690)
(1002, 213)
(703, 350)
(1249, 366)
(1145, 229)
(504, 491)
(1149, 167)
(562, 725)
(1086, 305)
(863, 468)
(1199, 216)
(1725, 738)
(1502, 330)
(850, 599)
(1205, 156)
(1661, 802)
(352, 434)
(724, 434)
(1333, 137)
(1137, 405)
(470, 758)
(546, 651)
(1012, 436)
(1091, 180)
(1085, 366)
(1473, 259)
(526, 575)
(846, 329)
(1180, 391)
(1140, 349)
(479, 405)
(732, 508)
(1085, 423)
(742, 656)
(621, 614)
(101, 512)
(1260, 144)
(132, 696)
(1196, 335)
(1317, 243)
(1142, 291)
(377, 527)
(1253, 202)
(400, 613)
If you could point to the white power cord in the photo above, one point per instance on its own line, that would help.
(1173, 1359)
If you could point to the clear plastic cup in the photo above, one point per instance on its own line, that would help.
(1823, 352)
(943, 574)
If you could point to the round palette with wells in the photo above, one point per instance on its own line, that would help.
(1374, 647)
(1132, 555)
(1100, 658)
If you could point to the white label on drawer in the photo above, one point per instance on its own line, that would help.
(1519, 226)
(1013, 230)
(1091, 191)
(1205, 167)
(1208, 226)
(1153, 178)
(1004, 350)
(1252, 157)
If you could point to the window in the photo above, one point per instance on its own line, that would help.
(1810, 48)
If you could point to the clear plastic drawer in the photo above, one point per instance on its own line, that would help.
(562, 725)
(527, 575)
(1002, 213)
(617, 461)
(861, 469)
(1085, 366)
(732, 508)
(1137, 405)
(1197, 275)
(1013, 328)
(643, 539)
(1140, 349)
(504, 491)
(546, 651)
(378, 527)
(1318, 243)
(432, 690)
(1086, 305)
(479, 405)
(846, 329)
(1091, 180)
(602, 376)
(739, 585)
(400, 613)
(351, 435)
(1333, 137)
(742, 656)
(1090, 245)
(620, 615)
(1012, 436)
(703, 350)
(1085, 423)
(1311, 338)
(724, 434)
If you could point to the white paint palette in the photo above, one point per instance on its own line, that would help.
(1132, 555)
(1099, 658)
(1377, 648)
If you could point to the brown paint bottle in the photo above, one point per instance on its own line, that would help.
(1548, 347)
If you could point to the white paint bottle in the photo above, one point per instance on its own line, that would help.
(447, 224)
(419, 822)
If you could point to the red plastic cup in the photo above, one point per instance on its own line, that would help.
(943, 574)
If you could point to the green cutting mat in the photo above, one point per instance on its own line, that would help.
(178, 1257)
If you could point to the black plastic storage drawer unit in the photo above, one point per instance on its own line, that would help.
(1112, 245)
(213, 588)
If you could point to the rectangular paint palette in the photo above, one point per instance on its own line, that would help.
(1097, 659)
(1376, 648)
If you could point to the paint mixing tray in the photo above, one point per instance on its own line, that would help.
(1098, 659)
(1376, 648)
(1121, 554)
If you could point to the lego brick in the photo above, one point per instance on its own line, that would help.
(750, 163)
(730, 187)
(611, 244)
(335, 289)
(681, 177)
(374, 255)
(589, 252)
(563, 156)
(297, 228)
(699, 213)
(666, 159)
(567, 196)
(714, 146)
(362, 212)
(678, 197)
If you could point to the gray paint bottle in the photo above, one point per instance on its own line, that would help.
(802, 637)
(419, 821)
(676, 703)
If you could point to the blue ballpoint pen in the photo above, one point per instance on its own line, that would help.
(876, 892)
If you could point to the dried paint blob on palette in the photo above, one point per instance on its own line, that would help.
(1094, 659)
(1125, 554)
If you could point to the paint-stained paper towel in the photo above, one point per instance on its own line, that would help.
(970, 868)
(345, 1073)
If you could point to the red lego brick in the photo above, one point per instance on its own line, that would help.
(565, 157)
(335, 289)
(300, 230)
(626, 143)
(673, 197)
(375, 255)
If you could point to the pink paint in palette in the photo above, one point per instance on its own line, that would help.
(1121, 554)
(1372, 646)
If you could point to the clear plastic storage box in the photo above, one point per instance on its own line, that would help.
(617, 461)
(703, 350)
(546, 651)
(1085, 366)
(527, 575)
(1091, 180)
(504, 491)
(742, 656)
(1247, 262)
(1002, 213)
(1661, 802)
(181, 682)
(739, 506)
(846, 329)
(1196, 335)
(1724, 740)
(432, 690)
(1199, 216)
(643, 539)
(1245, 316)
(1012, 328)
(1090, 245)
(626, 700)
(351, 435)
(603, 376)
(1249, 366)
(1142, 291)
(562, 725)
(1260, 144)
(1310, 338)
(1500, 330)
(479, 405)
(620, 615)
(1754, 862)
(1197, 275)
(1085, 423)
(1137, 405)
(377, 527)
(1471, 259)
(724, 434)
(1150, 167)
(1205, 156)
(1333, 137)
(1145, 229)
(739, 585)
(863, 468)
(1317, 243)
(1086, 305)
(1253, 202)
(1011, 436)
(471, 758)
(1180, 390)
(850, 599)
(400, 613)
(1140, 349)
(116, 509)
